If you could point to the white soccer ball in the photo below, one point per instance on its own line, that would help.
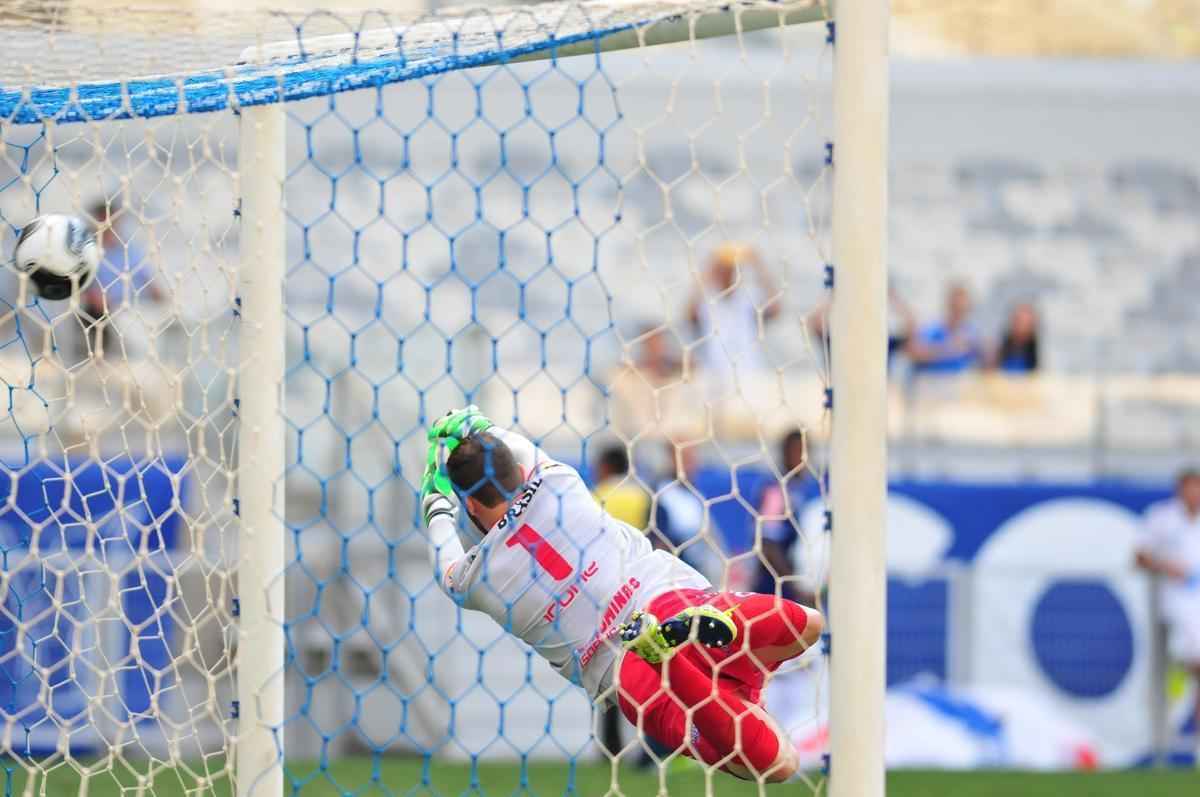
(59, 253)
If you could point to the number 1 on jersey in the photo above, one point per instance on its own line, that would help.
(543, 552)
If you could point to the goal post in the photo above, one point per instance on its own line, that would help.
(858, 471)
(262, 448)
(323, 229)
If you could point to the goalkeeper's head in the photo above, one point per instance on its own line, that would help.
(486, 476)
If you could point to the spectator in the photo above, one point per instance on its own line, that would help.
(952, 345)
(778, 513)
(124, 273)
(901, 323)
(727, 311)
(624, 499)
(649, 385)
(1018, 351)
(621, 496)
(656, 358)
(1170, 549)
(681, 516)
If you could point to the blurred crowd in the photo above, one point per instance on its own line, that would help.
(955, 344)
(737, 299)
(726, 317)
(721, 343)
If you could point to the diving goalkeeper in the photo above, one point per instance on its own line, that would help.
(589, 593)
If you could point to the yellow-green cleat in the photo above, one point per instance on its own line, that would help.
(654, 641)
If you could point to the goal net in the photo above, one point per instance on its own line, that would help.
(607, 224)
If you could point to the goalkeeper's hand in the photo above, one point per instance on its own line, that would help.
(457, 425)
(437, 494)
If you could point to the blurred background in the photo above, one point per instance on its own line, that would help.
(635, 277)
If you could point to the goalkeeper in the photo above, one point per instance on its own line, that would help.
(685, 662)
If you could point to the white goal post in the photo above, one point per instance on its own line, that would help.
(858, 471)
(261, 448)
(258, 85)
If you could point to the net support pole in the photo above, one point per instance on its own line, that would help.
(858, 341)
(261, 447)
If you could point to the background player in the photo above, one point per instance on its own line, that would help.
(590, 594)
(1170, 548)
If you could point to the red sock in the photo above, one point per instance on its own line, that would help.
(721, 717)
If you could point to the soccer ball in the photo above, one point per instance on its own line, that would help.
(59, 253)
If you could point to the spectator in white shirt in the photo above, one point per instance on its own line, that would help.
(1170, 549)
(729, 311)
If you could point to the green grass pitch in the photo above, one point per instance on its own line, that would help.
(411, 777)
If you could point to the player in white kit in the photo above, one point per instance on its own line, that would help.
(591, 595)
(1170, 548)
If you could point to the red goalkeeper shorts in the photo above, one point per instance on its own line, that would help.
(738, 672)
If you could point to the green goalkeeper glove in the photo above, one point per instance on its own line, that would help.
(458, 425)
(448, 431)
(434, 482)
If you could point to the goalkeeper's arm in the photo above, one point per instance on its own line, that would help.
(445, 549)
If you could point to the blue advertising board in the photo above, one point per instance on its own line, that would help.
(62, 531)
(918, 617)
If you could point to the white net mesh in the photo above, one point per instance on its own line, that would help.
(550, 240)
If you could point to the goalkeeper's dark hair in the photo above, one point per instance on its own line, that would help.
(484, 468)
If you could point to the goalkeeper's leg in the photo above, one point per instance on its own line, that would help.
(685, 709)
(705, 701)
(771, 630)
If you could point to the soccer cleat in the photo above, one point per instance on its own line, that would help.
(654, 641)
(643, 635)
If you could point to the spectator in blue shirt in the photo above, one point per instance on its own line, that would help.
(950, 346)
(777, 517)
(1018, 351)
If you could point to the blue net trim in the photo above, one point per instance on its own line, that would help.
(244, 86)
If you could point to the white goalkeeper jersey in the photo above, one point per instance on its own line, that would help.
(560, 573)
